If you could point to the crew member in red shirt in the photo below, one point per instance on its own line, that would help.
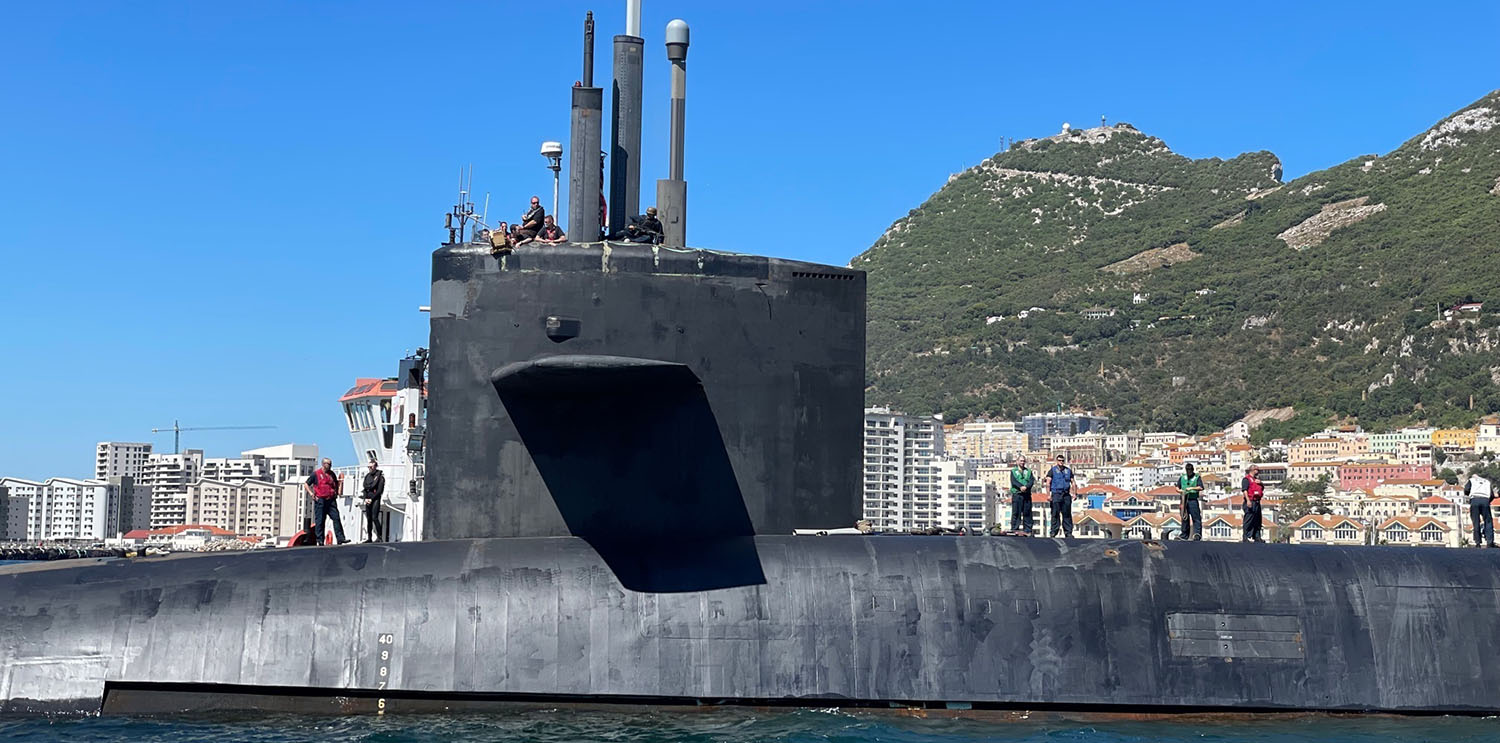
(324, 485)
(1253, 492)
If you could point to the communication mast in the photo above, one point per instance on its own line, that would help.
(456, 221)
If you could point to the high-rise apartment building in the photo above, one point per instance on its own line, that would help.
(63, 508)
(247, 507)
(1043, 425)
(12, 515)
(132, 507)
(285, 462)
(120, 459)
(168, 476)
(909, 485)
(895, 445)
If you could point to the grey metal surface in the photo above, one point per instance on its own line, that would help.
(585, 172)
(625, 132)
(838, 620)
(774, 352)
(671, 203)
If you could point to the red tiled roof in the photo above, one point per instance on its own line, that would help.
(1099, 517)
(172, 531)
(1327, 522)
(1412, 523)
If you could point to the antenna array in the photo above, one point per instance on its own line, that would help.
(456, 221)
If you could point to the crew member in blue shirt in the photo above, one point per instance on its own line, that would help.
(1060, 486)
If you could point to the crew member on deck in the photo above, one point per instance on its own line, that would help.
(1190, 485)
(373, 489)
(1481, 494)
(324, 486)
(551, 234)
(531, 222)
(1254, 489)
(644, 228)
(1060, 487)
(1021, 481)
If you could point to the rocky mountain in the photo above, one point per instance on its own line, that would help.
(1098, 269)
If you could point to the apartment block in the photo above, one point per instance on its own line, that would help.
(1455, 439)
(896, 447)
(120, 459)
(1487, 438)
(246, 507)
(168, 476)
(1367, 476)
(909, 485)
(1043, 425)
(12, 515)
(132, 506)
(988, 440)
(63, 508)
(1390, 442)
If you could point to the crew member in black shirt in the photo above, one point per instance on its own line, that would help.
(531, 222)
(374, 487)
(644, 228)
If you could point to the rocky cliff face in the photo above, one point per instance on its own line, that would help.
(1230, 290)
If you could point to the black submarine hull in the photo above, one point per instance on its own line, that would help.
(966, 623)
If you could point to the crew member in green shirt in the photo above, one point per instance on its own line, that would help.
(1191, 486)
(1021, 480)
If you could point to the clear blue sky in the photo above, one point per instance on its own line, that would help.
(223, 211)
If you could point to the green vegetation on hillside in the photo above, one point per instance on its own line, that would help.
(1349, 327)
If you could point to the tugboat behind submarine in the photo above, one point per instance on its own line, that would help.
(621, 437)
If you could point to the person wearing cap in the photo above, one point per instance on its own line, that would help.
(644, 228)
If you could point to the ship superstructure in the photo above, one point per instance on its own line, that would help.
(387, 420)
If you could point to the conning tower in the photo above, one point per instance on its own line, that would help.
(636, 392)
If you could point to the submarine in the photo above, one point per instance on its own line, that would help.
(620, 440)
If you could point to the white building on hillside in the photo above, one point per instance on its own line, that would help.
(990, 440)
(1390, 442)
(1137, 477)
(1488, 439)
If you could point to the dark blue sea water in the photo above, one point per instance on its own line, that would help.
(732, 726)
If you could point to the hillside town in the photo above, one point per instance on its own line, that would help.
(1343, 485)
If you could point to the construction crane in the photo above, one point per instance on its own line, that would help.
(177, 430)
